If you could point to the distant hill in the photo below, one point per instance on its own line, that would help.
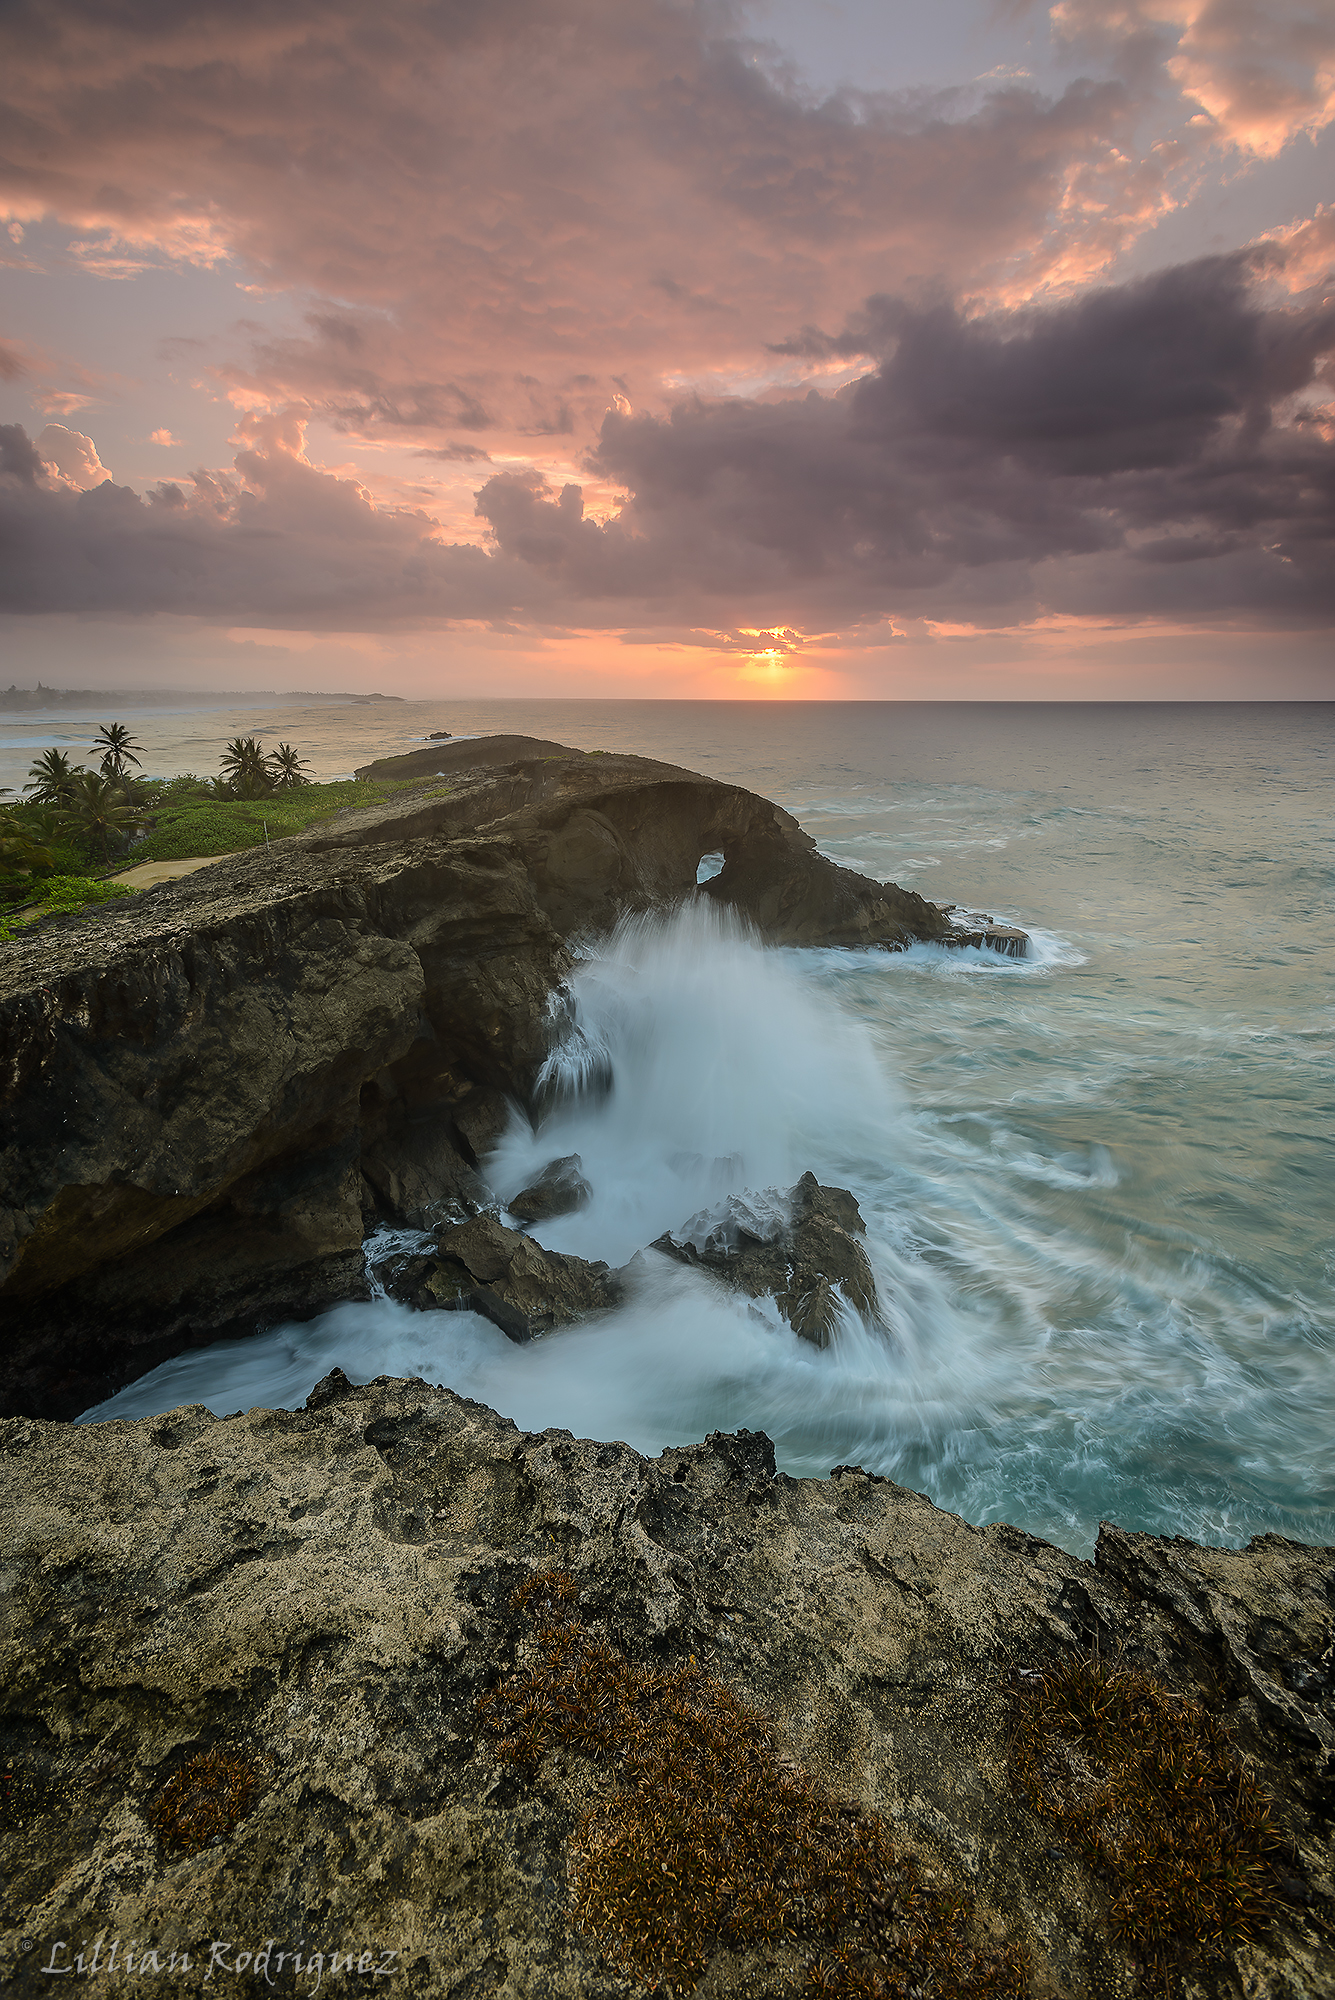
(48, 697)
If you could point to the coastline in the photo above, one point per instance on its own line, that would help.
(318, 1600)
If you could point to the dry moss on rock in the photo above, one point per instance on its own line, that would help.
(1149, 1791)
(204, 1801)
(710, 1837)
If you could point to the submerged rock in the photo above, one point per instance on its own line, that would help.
(481, 1266)
(800, 1249)
(295, 1616)
(560, 1189)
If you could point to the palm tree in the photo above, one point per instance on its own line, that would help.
(287, 767)
(51, 778)
(98, 811)
(245, 769)
(118, 748)
(18, 851)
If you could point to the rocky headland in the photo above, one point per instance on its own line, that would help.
(213, 1090)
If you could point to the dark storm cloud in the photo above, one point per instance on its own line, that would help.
(18, 455)
(277, 540)
(1159, 448)
(1151, 424)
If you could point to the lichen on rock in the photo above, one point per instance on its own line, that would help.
(334, 1590)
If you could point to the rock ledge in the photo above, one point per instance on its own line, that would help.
(323, 1595)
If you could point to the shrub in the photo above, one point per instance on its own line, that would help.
(705, 1835)
(204, 1801)
(1148, 1790)
(63, 895)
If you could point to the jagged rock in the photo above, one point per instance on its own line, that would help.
(481, 1266)
(325, 1594)
(1009, 942)
(795, 1248)
(205, 1090)
(419, 1176)
(559, 1189)
(974, 927)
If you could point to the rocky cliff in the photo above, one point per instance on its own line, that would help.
(208, 1092)
(523, 1716)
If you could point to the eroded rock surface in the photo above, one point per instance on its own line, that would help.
(324, 1595)
(481, 1266)
(800, 1249)
(560, 1189)
(208, 1090)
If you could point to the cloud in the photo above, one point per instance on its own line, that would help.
(1156, 446)
(19, 460)
(70, 458)
(165, 438)
(463, 454)
(1262, 71)
(272, 540)
(1159, 448)
(506, 213)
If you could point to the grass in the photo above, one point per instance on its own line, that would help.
(62, 895)
(188, 826)
(193, 831)
(705, 1836)
(1149, 1791)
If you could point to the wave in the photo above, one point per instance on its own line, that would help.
(1058, 1342)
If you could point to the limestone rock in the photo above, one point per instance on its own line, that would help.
(481, 1266)
(559, 1189)
(326, 1593)
(796, 1249)
(974, 927)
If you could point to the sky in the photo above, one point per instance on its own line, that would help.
(798, 349)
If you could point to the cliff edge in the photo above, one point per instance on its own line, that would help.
(390, 1676)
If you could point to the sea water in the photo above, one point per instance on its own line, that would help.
(1098, 1182)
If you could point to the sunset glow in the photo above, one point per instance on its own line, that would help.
(767, 349)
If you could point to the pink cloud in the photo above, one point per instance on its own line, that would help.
(529, 209)
(1262, 71)
(70, 458)
(1149, 450)
(730, 363)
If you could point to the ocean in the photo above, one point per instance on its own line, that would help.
(1098, 1182)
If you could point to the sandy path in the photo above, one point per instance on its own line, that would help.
(149, 872)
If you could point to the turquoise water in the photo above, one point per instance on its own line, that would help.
(1098, 1183)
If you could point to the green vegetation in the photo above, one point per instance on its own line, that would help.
(61, 895)
(118, 749)
(50, 778)
(1148, 1790)
(704, 1836)
(183, 829)
(21, 849)
(99, 812)
(72, 817)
